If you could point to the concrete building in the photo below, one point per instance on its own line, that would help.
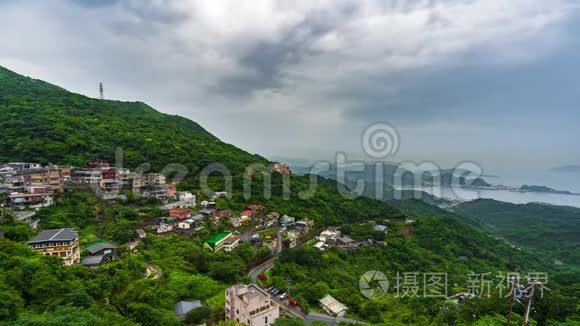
(248, 304)
(63, 243)
(221, 240)
(231, 243)
(27, 217)
(100, 253)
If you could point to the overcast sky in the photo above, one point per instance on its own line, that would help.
(492, 81)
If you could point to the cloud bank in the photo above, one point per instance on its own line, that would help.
(460, 79)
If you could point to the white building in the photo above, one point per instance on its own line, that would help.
(329, 235)
(248, 304)
(185, 224)
(231, 243)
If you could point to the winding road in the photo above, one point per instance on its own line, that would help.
(293, 311)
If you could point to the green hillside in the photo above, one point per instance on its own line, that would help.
(550, 231)
(45, 123)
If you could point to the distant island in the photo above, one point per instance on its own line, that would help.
(544, 189)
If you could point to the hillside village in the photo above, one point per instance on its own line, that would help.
(30, 187)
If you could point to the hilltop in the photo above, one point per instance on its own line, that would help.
(45, 123)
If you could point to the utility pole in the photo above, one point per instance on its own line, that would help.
(514, 286)
(529, 306)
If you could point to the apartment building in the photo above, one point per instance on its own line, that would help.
(63, 243)
(248, 304)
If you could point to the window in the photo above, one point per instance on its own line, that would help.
(266, 320)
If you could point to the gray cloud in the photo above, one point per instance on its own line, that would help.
(304, 78)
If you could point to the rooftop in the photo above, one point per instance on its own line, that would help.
(217, 237)
(92, 260)
(66, 234)
(100, 246)
(332, 304)
(183, 307)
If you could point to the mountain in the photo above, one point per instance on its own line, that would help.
(552, 232)
(48, 124)
(526, 188)
(45, 123)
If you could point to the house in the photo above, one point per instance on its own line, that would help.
(181, 213)
(250, 305)
(329, 235)
(27, 217)
(110, 181)
(179, 204)
(87, 177)
(185, 196)
(219, 194)
(185, 200)
(93, 262)
(98, 164)
(163, 228)
(218, 215)
(171, 189)
(217, 241)
(25, 167)
(183, 307)
(319, 245)
(287, 220)
(380, 228)
(36, 197)
(207, 212)
(207, 204)
(231, 243)
(344, 242)
(332, 306)
(290, 239)
(255, 208)
(63, 243)
(281, 168)
(186, 224)
(247, 214)
(157, 191)
(236, 221)
(100, 253)
(302, 226)
(141, 234)
(273, 216)
(104, 248)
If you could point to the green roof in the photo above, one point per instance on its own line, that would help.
(90, 244)
(216, 238)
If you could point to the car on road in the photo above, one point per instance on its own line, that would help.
(282, 296)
